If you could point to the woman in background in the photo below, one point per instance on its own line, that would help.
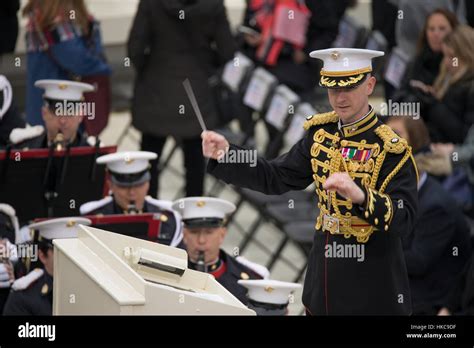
(450, 105)
(63, 42)
(424, 68)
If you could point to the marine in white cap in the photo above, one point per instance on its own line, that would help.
(366, 184)
(129, 181)
(269, 297)
(63, 111)
(33, 293)
(204, 232)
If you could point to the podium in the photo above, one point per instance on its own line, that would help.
(49, 183)
(104, 273)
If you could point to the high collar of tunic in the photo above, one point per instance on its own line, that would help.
(361, 125)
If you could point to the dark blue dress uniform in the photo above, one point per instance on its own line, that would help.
(461, 298)
(437, 250)
(34, 138)
(380, 163)
(228, 271)
(9, 121)
(132, 169)
(170, 227)
(209, 213)
(31, 295)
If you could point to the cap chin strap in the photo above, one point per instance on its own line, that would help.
(6, 87)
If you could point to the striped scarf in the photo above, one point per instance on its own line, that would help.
(38, 40)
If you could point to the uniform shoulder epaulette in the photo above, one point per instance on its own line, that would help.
(25, 282)
(88, 207)
(160, 203)
(19, 135)
(319, 119)
(259, 269)
(392, 141)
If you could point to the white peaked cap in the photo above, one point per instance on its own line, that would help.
(66, 227)
(203, 208)
(128, 162)
(347, 61)
(64, 89)
(269, 291)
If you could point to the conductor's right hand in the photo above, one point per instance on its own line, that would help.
(214, 145)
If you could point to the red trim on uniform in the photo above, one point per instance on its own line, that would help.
(219, 271)
(44, 153)
(154, 229)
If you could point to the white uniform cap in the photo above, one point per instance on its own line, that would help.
(202, 209)
(128, 168)
(64, 89)
(66, 227)
(344, 67)
(129, 162)
(269, 291)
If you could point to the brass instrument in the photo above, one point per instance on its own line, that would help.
(201, 263)
(132, 208)
(59, 142)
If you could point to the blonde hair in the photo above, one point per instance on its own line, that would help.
(461, 41)
(47, 13)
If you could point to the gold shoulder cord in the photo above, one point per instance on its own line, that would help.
(393, 144)
(319, 119)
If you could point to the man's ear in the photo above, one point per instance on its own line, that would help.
(44, 112)
(185, 236)
(223, 233)
(42, 256)
(371, 81)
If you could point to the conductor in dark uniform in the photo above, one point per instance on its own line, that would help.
(366, 183)
(204, 232)
(129, 182)
(33, 293)
(63, 111)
